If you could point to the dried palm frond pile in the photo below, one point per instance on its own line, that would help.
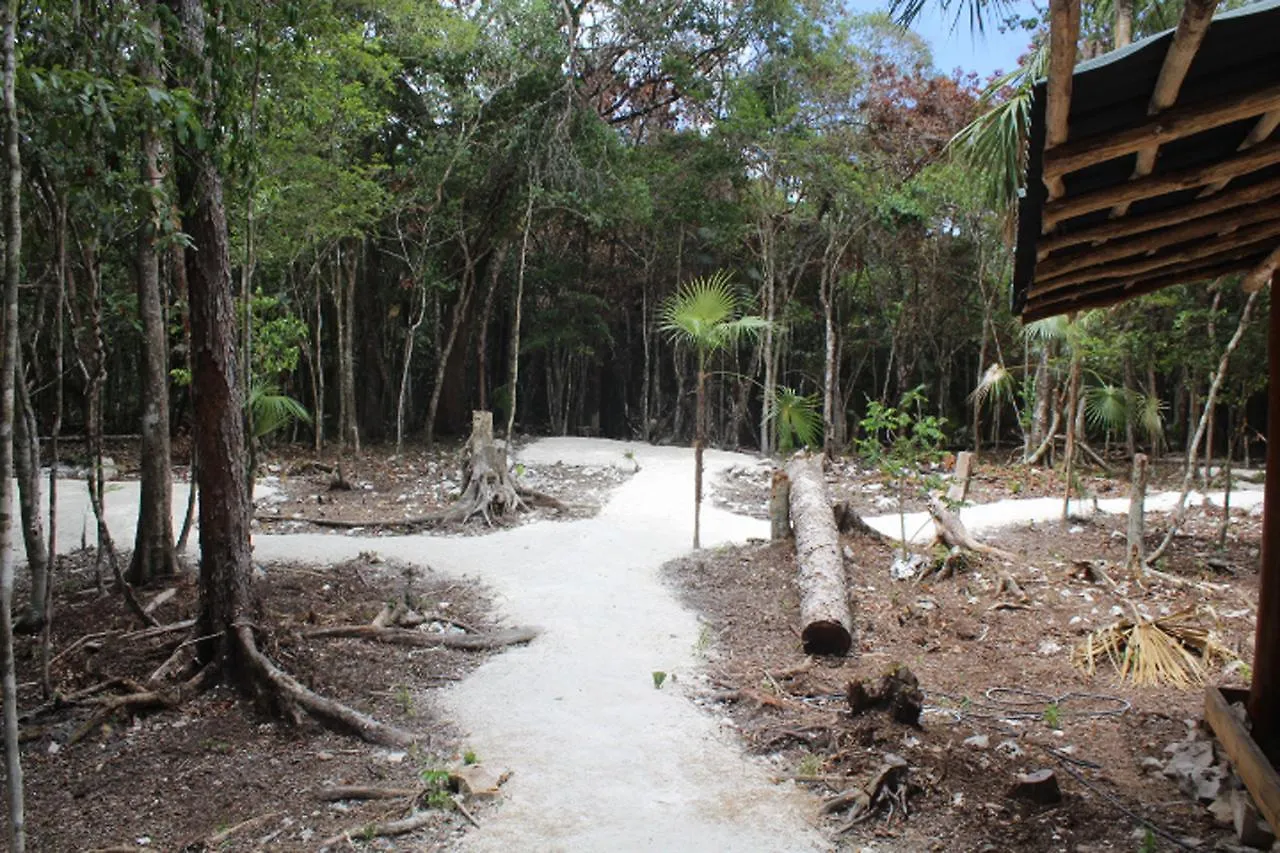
(1176, 650)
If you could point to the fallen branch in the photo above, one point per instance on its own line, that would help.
(138, 701)
(383, 830)
(424, 639)
(364, 792)
(218, 838)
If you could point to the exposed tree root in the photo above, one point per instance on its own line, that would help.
(295, 697)
(423, 639)
(364, 792)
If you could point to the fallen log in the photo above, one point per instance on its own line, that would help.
(952, 532)
(826, 624)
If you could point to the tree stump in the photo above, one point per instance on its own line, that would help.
(960, 481)
(780, 506)
(490, 490)
(826, 624)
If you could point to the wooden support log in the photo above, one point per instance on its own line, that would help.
(1246, 162)
(1192, 26)
(1264, 692)
(1260, 275)
(826, 623)
(1137, 501)
(1166, 127)
(1064, 33)
(1150, 222)
(1265, 126)
(1244, 240)
(1196, 229)
(1250, 762)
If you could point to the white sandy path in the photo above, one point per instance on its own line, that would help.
(602, 760)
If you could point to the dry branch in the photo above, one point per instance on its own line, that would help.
(384, 830)
(427, 639)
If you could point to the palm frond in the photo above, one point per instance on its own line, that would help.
(799, 423)
(272, 410)
(704, 313)
(1175, 650)
(1107, 407)
(997, 384)
(1048, 329)
(1149, 410)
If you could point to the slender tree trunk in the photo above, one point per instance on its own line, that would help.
(1124, 23)
(829, 383)
(416, 316)
(482, 339)
(1189, 468)
(26, 463)
(455, 324)
(153, 553)
(1044, 400)
(1073, 396)
(513, 369)
(1130, 394)
(346, 283)
(55, 432)
(700, 430)
(317, 361)
(225, 569)
(8, 370)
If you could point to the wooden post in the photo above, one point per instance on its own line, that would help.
(960, 482)
(1137, 500)
(780, 506)
(1264, 693)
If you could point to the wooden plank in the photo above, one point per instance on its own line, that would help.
(1251, 764)
(1264, 233)
(1156, 240)
(1064, 33)
(1130, 225)
(1192, 26)
(1264, 693)
(1261, 131)
(1242, 163)
(1109, 292)
(1259, 276)
(1175, 124)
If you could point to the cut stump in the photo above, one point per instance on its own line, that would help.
(826, 624)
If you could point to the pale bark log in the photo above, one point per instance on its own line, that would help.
(826, 623)
(1137, 501)
(780, 506)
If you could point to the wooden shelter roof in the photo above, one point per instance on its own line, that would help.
(1153, 165)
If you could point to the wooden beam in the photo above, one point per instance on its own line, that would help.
(1264, 691)
(1258, 157)
(1258, 278)
(1251, 763)
(1175, 124)
(1263, 232)
(1263, 129)
(1064, 33)
(1152, 241)
(1130, 225)
(1110, 292)
(1192, 26)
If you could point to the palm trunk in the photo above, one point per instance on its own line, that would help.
(700, 428)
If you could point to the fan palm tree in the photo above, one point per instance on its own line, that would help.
(706, 314)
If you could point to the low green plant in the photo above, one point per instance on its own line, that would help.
(797, 419)
(469, 757)
(404, 700)
(437, 793)
(810, 765)
(658, 678)
(1053, 715)
(1148, 844)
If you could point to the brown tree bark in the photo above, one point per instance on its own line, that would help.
(153, 551)
(26, 463)
(225, 569)
(826, 624)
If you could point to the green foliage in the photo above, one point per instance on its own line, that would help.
(1053, 716)
(274, 411)
(798, 419)
(707, 314)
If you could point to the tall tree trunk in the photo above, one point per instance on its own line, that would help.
(826, 295)
(455, 324)
(1130, 395)
(225, 570)
(1124, 23)
(417, 312)
(348, 265)
(55, 432)
(513, 369)
(8, 370)
(482, 339)
(26, 463)
(1044, 400)
(1073, 398)
(1189, 468)
(153, 553)
(317, 366)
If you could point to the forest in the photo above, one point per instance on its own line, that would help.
(236, 226)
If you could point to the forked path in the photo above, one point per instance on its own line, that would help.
(601, 760)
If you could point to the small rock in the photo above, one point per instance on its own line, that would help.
(848, 553)
(475, 780)
(1223, 811)
(978, 742)
(1251, 829)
